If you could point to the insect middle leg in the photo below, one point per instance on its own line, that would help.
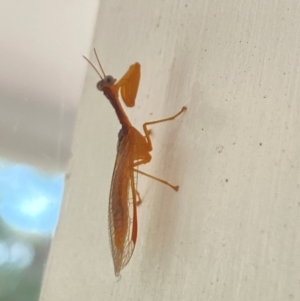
(147, 157)
(147, 131)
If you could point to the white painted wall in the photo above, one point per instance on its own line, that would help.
(232, 231)
(41, 77)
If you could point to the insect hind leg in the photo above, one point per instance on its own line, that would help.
(176, 188)
(139, 200)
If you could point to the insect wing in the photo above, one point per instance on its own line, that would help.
(122, 207)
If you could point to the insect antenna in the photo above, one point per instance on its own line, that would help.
(93, 67)
(101, 76)
(99, 62)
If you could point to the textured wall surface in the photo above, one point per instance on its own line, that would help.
(232, 231)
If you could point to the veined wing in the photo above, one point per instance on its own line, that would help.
(122, 205)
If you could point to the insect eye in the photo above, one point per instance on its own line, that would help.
(109, 80)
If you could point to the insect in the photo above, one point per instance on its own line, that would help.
(133, 149)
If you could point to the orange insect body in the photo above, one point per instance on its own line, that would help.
(133, 150)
